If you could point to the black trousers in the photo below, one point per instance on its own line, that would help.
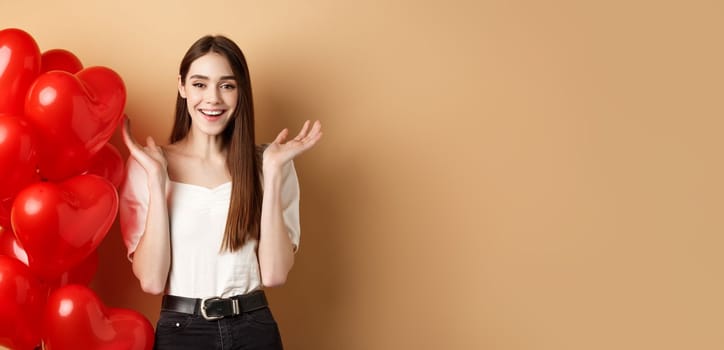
(255, 330)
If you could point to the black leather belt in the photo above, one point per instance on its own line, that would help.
(215, 308)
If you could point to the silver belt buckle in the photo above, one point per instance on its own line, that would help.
(234, 305)
(203, 309)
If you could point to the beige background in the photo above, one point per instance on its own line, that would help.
(494, 174)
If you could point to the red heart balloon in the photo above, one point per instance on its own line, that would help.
(59, 225)
(21, 303)
(19, 66)
(74, 116)
(9, 246)
(80, 274)
(59, 59)
(75, 318)
(5, 207)
(108, 163)
(18, 155)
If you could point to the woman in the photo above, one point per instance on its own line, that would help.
(211, 218)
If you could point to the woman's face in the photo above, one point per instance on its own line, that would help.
(210, 92)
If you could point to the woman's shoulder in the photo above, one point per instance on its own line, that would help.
(170, 148)
(174, 154)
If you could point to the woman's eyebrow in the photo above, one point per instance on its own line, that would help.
(203, 77)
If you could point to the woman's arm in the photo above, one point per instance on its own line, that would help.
(152, 257)
(276, 251)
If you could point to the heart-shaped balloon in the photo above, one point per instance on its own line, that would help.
(82, 273)
(9, 246)
(60, 224)
(75, 318)
(59, 59)
(108, 163)
(74, 116)
(21, 303)
(5, 206)
(19, 66)
(18, 155)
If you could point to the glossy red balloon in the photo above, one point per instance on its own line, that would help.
(18, 155)
(75, 318)
(5, 207)
(19, 66)
(59, 225)
(21, 305)
(82, 273)
(59, 59)
(108, 163)
(73, 116)
(9, 246)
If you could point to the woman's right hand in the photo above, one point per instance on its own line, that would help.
(150, 157)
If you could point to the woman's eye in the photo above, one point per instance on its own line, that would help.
(228, 86)
(198, 85)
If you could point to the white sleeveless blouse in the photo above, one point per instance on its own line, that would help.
(197, 217)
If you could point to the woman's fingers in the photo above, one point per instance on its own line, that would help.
(316, 131)
(282, 136)
(150, 156)
(311, 138)
(304, 135)
(126, 132)
(303, 132)
(134, 148)
(282, 152)
(150, 143)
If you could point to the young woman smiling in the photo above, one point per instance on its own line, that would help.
(212, 218)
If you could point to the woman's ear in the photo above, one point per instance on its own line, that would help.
(181, 88)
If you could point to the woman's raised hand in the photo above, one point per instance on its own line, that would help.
(280, 151)
(150, 157)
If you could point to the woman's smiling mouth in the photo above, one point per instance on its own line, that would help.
(212, 114)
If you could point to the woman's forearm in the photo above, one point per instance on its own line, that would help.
(276, 251)
(152, 258)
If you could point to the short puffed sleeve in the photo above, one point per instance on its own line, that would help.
(133, 205)
(290, 203)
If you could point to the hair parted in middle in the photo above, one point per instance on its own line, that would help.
(243, 161)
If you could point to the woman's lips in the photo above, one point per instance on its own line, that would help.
(212, 114)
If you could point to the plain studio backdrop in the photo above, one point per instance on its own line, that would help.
(509, 175)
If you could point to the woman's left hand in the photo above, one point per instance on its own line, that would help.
(280, 151)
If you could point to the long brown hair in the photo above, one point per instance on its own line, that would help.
(243, 219)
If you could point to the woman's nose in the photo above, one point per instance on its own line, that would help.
(213, 95)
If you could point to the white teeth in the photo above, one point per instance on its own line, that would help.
(211, 113)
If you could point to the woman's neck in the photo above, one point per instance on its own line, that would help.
(203, 146)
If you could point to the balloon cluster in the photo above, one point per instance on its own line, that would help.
(58, 199)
